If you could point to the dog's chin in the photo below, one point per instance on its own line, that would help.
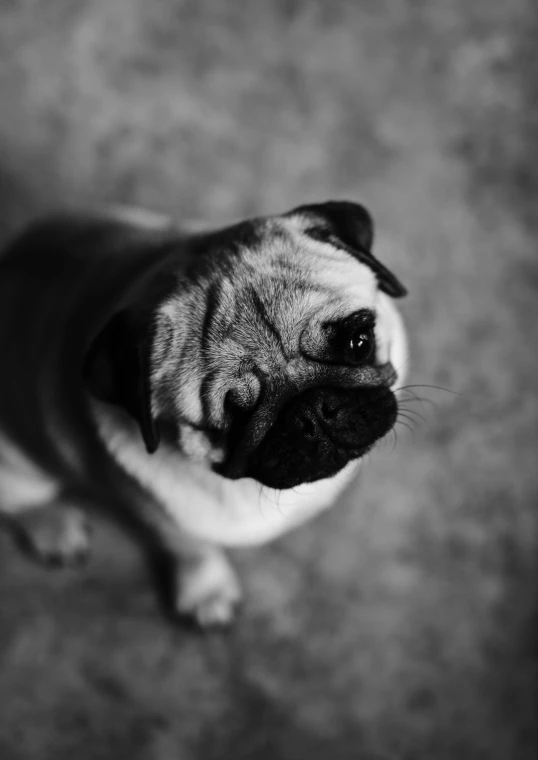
(282, 474)
(308, 462)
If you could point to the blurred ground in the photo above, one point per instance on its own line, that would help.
(403, 623)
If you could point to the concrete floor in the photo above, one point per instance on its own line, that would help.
(402, 624)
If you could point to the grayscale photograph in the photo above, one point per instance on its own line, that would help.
(268, 380)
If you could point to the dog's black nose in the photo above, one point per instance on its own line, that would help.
(330, 413)
(314, 412)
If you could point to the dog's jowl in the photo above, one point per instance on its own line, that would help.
(186, 380)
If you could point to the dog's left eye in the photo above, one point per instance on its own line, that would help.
(360, 347)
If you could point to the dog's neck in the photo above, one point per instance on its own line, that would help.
(203, 503)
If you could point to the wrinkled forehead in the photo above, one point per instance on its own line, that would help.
(267, 280)
(303, 275)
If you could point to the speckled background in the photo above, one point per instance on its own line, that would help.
(402, 624)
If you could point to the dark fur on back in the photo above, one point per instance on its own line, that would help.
(61, 282)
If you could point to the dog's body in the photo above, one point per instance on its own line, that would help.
(235, 377)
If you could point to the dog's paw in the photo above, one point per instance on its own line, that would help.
(208, 591)
(56, 535)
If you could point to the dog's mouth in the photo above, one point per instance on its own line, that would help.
(313, 436)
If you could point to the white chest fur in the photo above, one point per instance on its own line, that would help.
(226, 512)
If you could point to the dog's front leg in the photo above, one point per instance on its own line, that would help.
(205, 585)
(199, 581)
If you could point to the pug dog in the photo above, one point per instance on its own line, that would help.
(216, 388)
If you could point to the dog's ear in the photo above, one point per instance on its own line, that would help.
(350, 226)
(117, 370)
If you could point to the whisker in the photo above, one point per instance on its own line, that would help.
(390, 437)
(435, 387)
(414, 411)
(414, 397)
(400, 422)
(265, 500)
(408, 427)
(421, 400)
(387, 438)
(402, 413)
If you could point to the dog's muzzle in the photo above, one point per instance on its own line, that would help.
(319, 432)
(313, 434)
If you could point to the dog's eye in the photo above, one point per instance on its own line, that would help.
(351, 340)
(360, 346)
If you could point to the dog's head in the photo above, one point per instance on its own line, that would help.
(272, 355)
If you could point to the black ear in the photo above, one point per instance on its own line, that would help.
(350, 226)
(117, 371)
